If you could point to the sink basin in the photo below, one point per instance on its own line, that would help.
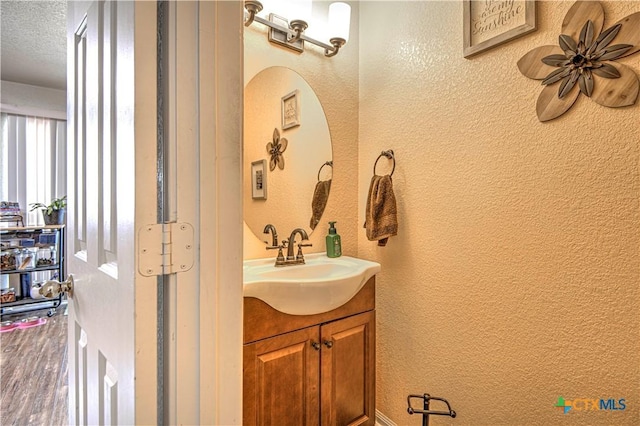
(320, 285)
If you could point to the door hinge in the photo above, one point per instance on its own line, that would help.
(165, 248)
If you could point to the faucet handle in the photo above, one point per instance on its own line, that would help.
(280, 257)
(300, 256)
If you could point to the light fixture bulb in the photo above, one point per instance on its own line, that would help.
(339, 20)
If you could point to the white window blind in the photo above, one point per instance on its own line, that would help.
(33, 158)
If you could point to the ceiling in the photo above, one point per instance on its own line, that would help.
(33, 42)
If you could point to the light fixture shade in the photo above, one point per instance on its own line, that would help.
(299, 9)
(339, 20)
(273, 6)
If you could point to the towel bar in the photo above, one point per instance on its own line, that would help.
(327, 163)
(389, 154)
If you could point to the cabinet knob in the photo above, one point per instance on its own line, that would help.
(328, 343)
(315, 345)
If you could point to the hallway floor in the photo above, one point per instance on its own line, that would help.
(33, 372)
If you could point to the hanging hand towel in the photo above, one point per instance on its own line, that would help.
(381, 221)
(319, 201)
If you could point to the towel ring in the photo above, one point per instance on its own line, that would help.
(389, 154)
(328, 163)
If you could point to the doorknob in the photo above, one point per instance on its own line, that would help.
(51, 289)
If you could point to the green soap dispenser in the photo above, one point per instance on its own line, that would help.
(334, 245)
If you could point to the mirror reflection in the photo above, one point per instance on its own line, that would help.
(287, 160)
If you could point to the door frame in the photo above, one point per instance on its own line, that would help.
(221, 310)
(205, 385)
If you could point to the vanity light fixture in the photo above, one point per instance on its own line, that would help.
(291, 34)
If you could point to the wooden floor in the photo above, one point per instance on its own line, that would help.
(33, 373)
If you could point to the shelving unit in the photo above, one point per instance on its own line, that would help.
(22, 277)
(12, 218)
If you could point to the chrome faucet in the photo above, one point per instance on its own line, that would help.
(274, 234)
(299, 258)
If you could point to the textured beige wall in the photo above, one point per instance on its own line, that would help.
(515, 275)
(335, 82)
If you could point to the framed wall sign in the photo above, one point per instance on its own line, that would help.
(259, 180)
(290, 110)
(489, 23)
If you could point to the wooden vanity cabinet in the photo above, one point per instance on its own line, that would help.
(347, 372)
(282, 380)
(320, 374)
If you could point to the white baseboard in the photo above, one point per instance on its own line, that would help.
(382, 420)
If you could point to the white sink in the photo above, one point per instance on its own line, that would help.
(320, 285)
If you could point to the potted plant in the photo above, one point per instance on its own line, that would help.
(54, 212)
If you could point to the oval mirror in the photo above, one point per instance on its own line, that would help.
(287, 160)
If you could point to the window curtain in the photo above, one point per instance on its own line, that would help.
(33, 159)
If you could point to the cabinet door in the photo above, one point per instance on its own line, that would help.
(348, 371)
(281, 380)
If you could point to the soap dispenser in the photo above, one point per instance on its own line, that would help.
(334, 245)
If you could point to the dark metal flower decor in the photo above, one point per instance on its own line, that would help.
(276, 148)
(580, 61)
(585, 61)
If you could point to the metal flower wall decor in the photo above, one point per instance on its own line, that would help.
(276, 148)
(584, 62)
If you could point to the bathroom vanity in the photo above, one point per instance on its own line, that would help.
(310, 369)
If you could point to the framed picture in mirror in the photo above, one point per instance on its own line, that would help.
(259, 180)
(290, 110)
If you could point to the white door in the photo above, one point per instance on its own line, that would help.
(112, 192)
(128, 364)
